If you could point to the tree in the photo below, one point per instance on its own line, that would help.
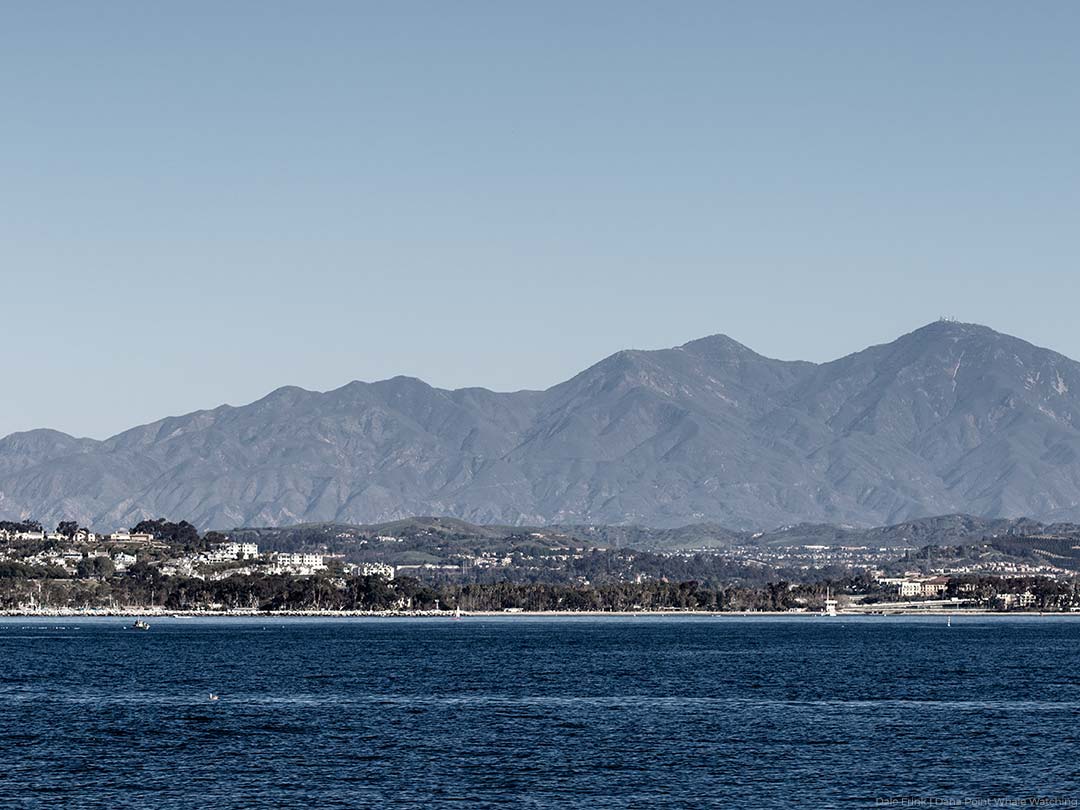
(67, 528)
(95, 568)
(177, 534)
(211, 539)
(23, 526)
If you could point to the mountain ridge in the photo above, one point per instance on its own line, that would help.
(437, 532)
(948, 418)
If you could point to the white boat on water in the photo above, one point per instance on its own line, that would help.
(140, 625)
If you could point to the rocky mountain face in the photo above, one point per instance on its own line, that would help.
(950, 418)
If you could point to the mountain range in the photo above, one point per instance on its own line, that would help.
(950, 418)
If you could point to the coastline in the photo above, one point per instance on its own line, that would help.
(151, 613)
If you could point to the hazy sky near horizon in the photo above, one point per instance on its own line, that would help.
(200, 202)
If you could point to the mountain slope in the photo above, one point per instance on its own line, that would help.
(950, 418)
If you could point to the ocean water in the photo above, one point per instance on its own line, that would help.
(650, 712)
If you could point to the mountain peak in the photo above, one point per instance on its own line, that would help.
(954, 337)
(953, 328)
(952, 417)
(718, 345)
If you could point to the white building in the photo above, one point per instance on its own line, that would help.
(240, 551)
(131, 537)
(909, 587)
(228, 552)
(923, 586)
(293, 563)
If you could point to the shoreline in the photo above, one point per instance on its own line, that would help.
(148, 613)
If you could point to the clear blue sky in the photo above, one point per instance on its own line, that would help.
(200, 202)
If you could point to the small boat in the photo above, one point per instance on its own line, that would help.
(213, 696)
(140, 625)
(457, 613)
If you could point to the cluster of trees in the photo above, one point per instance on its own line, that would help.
(87, 568)
(618, 565)
(67, 528)
(182, 535)
(145, 586)
(14, 526)
(13, 569)
(1050, 594)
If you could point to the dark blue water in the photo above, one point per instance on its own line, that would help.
(538, 713)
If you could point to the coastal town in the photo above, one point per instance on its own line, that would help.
(160, 565)
(82, 550)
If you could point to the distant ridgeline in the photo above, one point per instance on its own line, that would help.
(950, 418)
(430, 534)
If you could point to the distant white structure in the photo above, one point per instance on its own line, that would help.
(922, 586)
(830, 606)
(130, 537)
(296, 563)
(371, 570)
(1007, 601)
(238, 551)
(215, 556)
(183, 567)
(229, 552)
(427, 567)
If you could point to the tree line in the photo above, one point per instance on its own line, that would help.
(144, 586)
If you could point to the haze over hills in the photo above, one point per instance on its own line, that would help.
(951, 418)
